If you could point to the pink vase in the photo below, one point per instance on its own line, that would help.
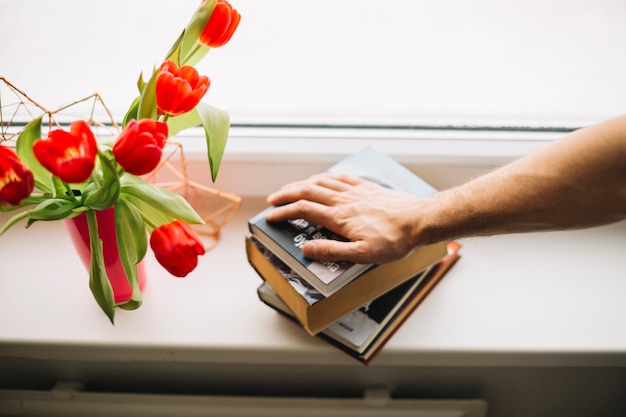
(79, 233)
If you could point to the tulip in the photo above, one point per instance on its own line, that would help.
(139, 147)
(221, 25)
(179, 90)
(71, 156)
(176, 246)
(16, 181)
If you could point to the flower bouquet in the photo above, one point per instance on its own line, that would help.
(69, 173)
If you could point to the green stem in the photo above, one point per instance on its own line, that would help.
(13, 220)
(70, 192)
(32, 200)
(108, 164)
(191, 53)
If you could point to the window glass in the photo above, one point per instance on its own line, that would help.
(363, 62)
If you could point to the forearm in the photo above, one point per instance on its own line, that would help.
(578, 181)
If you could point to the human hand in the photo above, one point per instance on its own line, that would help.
(378, 222)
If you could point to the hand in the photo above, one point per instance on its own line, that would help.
(378, 222)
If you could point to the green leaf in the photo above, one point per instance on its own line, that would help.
(103, 195)
(132, 112)
(184, 121)
(216, 124)
(196, 54)
(164, 205)
(61, 188)
(98, 280)
(147, 104)
(152, 216)
(131, 232)
(187, 44)
(174, 53)
(48, 210)
(24, 148)
(132, 244)
(53, 209)
(141, 84)
(12, 221)
(133, 303)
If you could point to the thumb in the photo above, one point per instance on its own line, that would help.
(329, 250)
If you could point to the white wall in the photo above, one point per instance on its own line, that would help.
(350, 61)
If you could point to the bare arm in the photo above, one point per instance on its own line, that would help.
(578, 181)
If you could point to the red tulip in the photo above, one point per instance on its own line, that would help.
(16, 181)
(177, 247)
(179, 90)
(221, 25)
(71, 156)
(139, 147)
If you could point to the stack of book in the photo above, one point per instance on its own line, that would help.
(356, 307)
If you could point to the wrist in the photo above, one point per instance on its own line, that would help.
(441, 217)
(423, 222)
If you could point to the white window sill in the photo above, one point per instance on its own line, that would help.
(495, 308)
(258, 160)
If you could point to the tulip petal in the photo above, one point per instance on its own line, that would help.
(176, 247)
(70, 155)
(179, 90)
(221, 26)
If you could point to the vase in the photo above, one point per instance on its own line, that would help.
(79, 233)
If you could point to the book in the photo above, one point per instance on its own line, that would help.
(315, 311)
(286, 239)
(364, 332)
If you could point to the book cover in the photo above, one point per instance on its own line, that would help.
(315, 311)
(363, 333)
(286, 239)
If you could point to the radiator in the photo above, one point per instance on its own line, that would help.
(67, 400)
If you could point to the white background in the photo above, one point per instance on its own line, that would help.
(546, 62)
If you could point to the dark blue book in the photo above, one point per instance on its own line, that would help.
(286, 239)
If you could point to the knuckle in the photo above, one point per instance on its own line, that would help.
(344, 212)
(361, 254)
(316, 178)
(300, 205)
(302, 208)
(307, 190)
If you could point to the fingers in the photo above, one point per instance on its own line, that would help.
(337, 182)
(303, 191)
(301, 209)
(320, 188)
(334, 250)
(324, 199)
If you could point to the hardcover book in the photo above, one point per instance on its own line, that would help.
(315, 311)
(286, 239)
(363, 332)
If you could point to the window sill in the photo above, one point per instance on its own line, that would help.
(258, 160)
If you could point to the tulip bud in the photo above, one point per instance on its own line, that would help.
(16, 181)
(221, 25)
(71, 156)
(139, 147)
(176, 246)
(179, 90)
